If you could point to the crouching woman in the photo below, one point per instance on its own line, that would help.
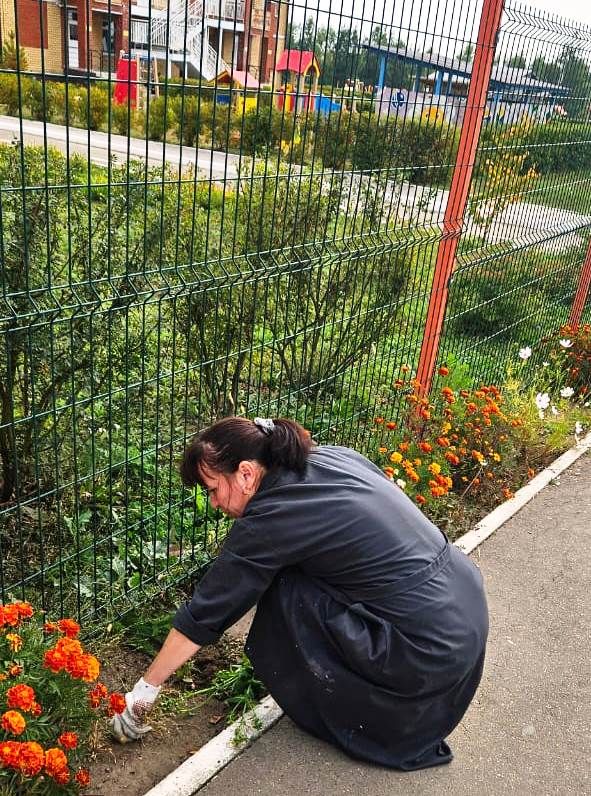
(370, 628)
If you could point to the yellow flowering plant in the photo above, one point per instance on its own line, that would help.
(450, 442)
(50, 699)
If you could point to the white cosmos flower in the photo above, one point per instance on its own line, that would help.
(554, 410)
(401, 483)
(542, 400)
(565, 343)
(525, 353)
(566, 392)
(578, 429)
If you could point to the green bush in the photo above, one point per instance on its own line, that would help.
(32, 91)
(120, 118)
(188, 120)
(158, 125)
(9, 94)
(94, 108)
(336, 134)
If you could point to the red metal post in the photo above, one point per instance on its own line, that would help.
(490, 22)
(582, 291)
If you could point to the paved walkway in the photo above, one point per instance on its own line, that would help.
(220, 165)
(528, 732)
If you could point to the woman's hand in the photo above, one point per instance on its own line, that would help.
(129, 725)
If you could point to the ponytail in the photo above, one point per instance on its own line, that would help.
(275, 444)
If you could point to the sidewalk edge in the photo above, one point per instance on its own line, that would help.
(201, 767)
(198, 769)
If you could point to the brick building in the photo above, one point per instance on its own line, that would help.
(195, 36)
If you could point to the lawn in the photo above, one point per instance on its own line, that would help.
(570, 190)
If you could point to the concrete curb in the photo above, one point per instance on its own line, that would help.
(198, 769)
(201, 767)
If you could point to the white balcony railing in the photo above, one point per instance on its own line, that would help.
(225, 9)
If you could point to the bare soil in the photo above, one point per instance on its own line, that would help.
(182, 723)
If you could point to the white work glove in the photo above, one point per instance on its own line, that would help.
(129, 725)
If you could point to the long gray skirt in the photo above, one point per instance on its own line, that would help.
(385, 682)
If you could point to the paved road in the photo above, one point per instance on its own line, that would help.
(528, 733)
(74, 139)
(554, 228)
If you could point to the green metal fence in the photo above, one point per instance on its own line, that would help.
(274, 242)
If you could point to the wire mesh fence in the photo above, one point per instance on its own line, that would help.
(224, 207)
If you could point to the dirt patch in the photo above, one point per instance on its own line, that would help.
(182, 722)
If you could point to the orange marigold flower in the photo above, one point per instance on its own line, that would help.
(82, 777)
(382, 449)
(478, 456)
(530, 472)
(25, 610)
(94, 701)
(390, 425)
(9, 615)
(471, 407)
(83, 667)
(55, 660)
(20, 696)
(443, 371)
(464, 393)
(116, 703)
(425, 414)
(476, 482)
(508, 494)
(69, 740)
(36, 709)
(443, 442)
(417, 462)
(15, 642)
(479, 393)
(452, 458)
(13, 722)
(420, 499)
(15, 669)
(404, 368)
(69, 627)
(404, 446)
(399, 383)
(50, 627)
(9, 753)
(378, 421)
(426, 447)
(30, 758)
(55, 761)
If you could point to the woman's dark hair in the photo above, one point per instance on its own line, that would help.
(221, 447)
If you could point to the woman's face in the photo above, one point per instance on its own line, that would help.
(231, 492)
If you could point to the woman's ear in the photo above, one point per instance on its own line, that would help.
(247, 476)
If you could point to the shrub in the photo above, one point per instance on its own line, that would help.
(120, 118)
(94, 108)
(33, 98)
(9, 94)
(49, 696)
(568, 353)
(455, 441)
(8, 55)
(336, 131)
(158, 125)
(188, 119)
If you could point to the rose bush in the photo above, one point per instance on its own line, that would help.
(50, 699)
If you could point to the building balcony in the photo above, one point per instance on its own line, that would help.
(225, 9)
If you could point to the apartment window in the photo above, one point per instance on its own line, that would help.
(108, 35)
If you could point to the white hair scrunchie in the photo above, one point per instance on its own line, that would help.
(266, 425)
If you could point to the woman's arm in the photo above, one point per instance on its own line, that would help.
(176, 650)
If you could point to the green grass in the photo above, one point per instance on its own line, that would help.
(570, 190)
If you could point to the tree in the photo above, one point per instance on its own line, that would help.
(516, 62)
(576, 76)
(467, 54)
(545, 71)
